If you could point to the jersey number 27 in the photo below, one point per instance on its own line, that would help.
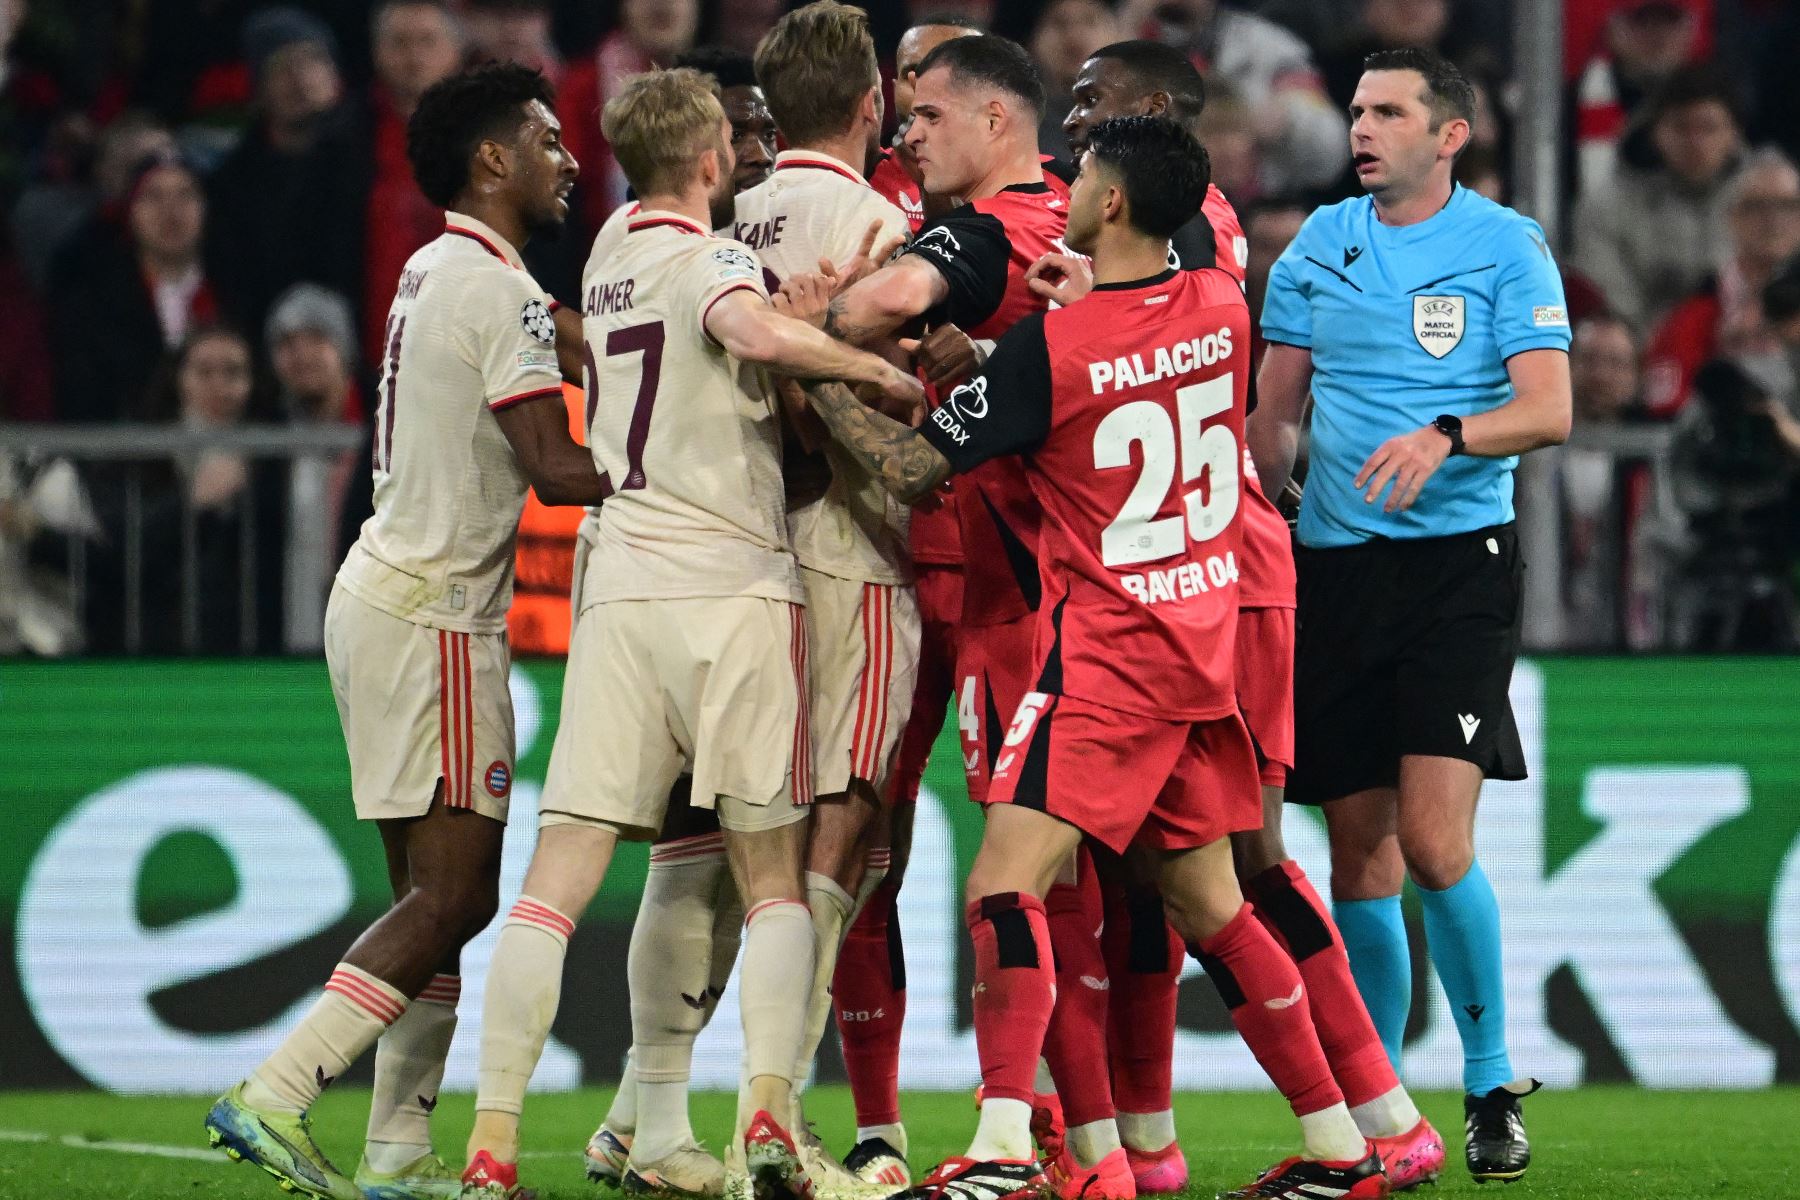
(1137, 534)
(645, 339)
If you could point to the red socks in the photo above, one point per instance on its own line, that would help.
(869, 996)
(1286, 903)
(1075, 1044)
(1015, 988)
(1144, 957)
(1261, 987)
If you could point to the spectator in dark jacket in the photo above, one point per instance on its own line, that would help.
(288, 202)
(146, 277)
(208, 529)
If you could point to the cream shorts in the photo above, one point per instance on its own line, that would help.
(419, 705)
(713, 687)
(864, 659)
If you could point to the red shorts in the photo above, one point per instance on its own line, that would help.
(939, 590)
(993, 673)
(1120, 778)
(1265, 687)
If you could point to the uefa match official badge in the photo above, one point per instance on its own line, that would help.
(1438, 323)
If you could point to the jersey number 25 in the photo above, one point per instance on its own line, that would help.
(1137, 534)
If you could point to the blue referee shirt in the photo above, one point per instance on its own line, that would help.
(1405, 323)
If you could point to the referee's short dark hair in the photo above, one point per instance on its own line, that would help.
(991, 59)
(1157, 67)
(1448, 93)
(1163, 168)
(457, 114)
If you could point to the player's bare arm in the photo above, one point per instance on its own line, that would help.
(750, 330)
(1539, 414)
(886, 300)
(907, 465)
(1273, 430)
(561, 472)
(570, 352)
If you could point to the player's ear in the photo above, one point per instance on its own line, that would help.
(1157, 105)
(1456, 134)
(493, 158)
(1112, 205)
(871, 109)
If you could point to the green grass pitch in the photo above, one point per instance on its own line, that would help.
(1611, 1143)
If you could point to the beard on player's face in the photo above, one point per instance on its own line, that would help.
(722, 203)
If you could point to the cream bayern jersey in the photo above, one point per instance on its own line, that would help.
(689, 436)
(814, 206)
(470, 332)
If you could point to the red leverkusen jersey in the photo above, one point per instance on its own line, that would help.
(891, 180)
(983, 250)
(1214, 238)
(1129, 408)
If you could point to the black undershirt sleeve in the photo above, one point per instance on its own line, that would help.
(1006, 410)
(970, 250)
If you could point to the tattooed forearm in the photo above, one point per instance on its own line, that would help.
(907, 465)
(840, 325)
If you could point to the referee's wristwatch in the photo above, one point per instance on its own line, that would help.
(1450, 427)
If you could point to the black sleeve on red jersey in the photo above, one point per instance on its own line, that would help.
(1062, 169)
(970, 250)
(1196, 244)
(1006, 410)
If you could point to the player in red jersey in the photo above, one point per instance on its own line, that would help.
(1143, 954)
(1130, 408)
(976, 107)
(869, 987)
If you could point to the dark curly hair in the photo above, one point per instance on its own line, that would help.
(457, 114)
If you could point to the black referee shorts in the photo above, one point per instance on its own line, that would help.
(1405, 647)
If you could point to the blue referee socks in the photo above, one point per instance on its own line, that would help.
(1462, 928)
(1374, 935)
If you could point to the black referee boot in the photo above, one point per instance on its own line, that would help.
(1496, 1149)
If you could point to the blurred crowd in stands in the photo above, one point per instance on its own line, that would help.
(206, 204)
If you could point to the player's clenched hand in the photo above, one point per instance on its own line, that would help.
(899, 395)
(946, 354)
(805, 297)
(1060, 278)
(1407, 462)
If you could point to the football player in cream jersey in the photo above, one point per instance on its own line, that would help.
(471, 413)
(690, 650)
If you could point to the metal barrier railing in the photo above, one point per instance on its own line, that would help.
(116, 461)
(123, 454)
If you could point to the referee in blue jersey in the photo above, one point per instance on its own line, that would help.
(1428, 324)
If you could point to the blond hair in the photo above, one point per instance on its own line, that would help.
(660, 124)
(814, 67)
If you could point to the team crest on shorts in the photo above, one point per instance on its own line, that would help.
(498, 780)
(1438, 323)
(538, 323)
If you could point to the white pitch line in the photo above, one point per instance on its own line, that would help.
(145, 1149)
